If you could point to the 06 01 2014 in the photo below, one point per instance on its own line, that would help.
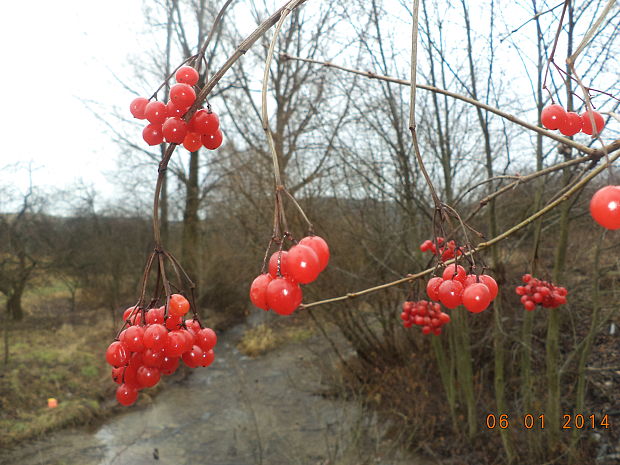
(537, 421)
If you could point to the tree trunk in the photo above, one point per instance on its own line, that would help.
(14, 304)
(190, 245)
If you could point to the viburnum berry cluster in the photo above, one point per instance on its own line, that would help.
(426, 314)
(166, 120)
(570, 123)
(446, 252)
(537, 292)
(456, 287)
(279, 289)
(605, 207)
(153, 343)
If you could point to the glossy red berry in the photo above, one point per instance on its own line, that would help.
(126, 395)
(529, 305)
(152, 134)
(491, 284)
(432, 288)
(156, 112)
(182, 95)
(155, 316)
(174, 130)
(134, 338)
(153, 358)
(587, 122)
(213, 141)
(283, 296)
(117, 374)
(476, 297)
(117, 354)
(303, 264)
(187, 75)
(457, 273)
(605, 207)
(192, 142)
(450, 293)
(206, 339)
(173, 322)
(207, 358)
(148, 376)
(258, 290)
(155, 337)
(553, 116)
(175, 345)
(204, 122)
(138, 106)
(173, 110)
(169, 365)
(179, 305)
(572, 124)
(320, 247)
(193, 357)
(273, 264)
(132, 316)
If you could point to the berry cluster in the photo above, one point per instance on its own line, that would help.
(446, 252)
(166, 120)
(279, 289)
(426, 314)
(570, 123)
(537, 292)
(152, 345)
(456, 287)
(605, 207)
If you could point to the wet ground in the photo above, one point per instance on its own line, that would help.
(239, 411)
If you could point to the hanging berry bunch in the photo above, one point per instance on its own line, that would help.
(169, 122)
(537, 292)
(426, 314)
(446, 252)
(570, 123)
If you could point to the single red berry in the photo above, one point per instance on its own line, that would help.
(572, 124)
(437, 331)
(155, 337)
(258, 290)
(175, 345)
(457, 273)
(213, 140)
(138, 106)
(132, 316)
(491, 284)
(173, 110)
(156, 112)
(134, 338)
(444, 318)
(193, 325)
(476, 297)
(179, 305)
(527, 278)
(182, 95)
(605, 207)
(553, 116)
(169, 365)
(469, 280)
(206, 339)
(450, 293)
(320, 247)
(192, 142)
(130, 377)
(207, 358)
(193, 357)
(189, 339)
(529, 305)
(204, 122)
(283, 296)
(187, 75)
(148, 376)
(432, 288)
(303, 264)
(155, 316)
(173, 322)
(126, 395)
(117, 374)
(426, 329)
(273, 264)
(587, 122)
(174, 130)
(153, 358)
(152, 134)
(117, 354)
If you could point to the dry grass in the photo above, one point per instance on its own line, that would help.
(262, 338)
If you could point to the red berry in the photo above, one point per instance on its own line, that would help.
(169, 365)
(553, 116)
(152, 134)
(174, 130)
(179, 305)
(126, 395)
(156, 112)
(527, 278)
(476, 297)
(490, 283)
(469, 280)
(450, 293)
(148, 376)
(204, 122)
(117, 374)
(134, 338)
(173, 322)
(587, 122)
(193, 357)
(273, 264)
(175, 345)
(426, 329)
(207, 358)
(572, 124)
(432, 288)
(529, 305)
(206, 339)
(605, 207)
(192, 142)
(193, 325)
(117, 354)
(155, 337)
(155, 316)
(303, 264)
(182, 95)
(320, 247)
(132, 316)
(138, 106)
(153, 358)
(173, 110)
(283, 296)
(457, 273)
(187, 75)
(213, 140)
(258, 291)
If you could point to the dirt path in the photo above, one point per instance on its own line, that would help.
(238, 411)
